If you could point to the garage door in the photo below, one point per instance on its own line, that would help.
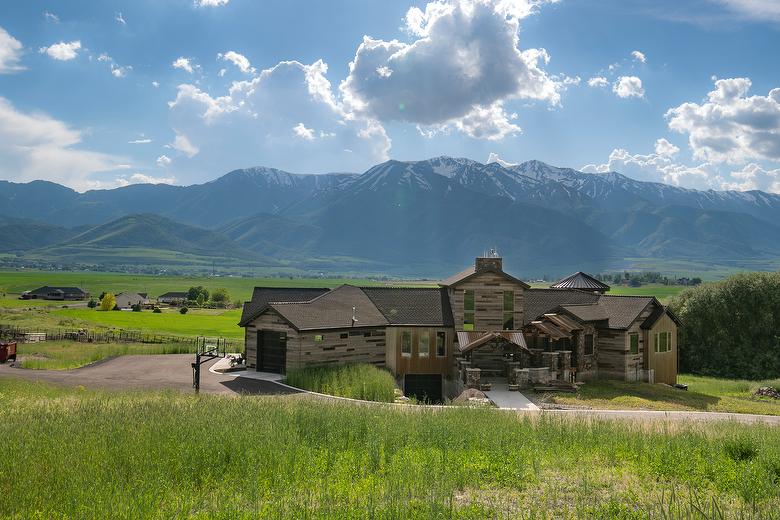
(271, 351)
(425, 387)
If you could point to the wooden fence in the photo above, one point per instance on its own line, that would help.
(120, 336)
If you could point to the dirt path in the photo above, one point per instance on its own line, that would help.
(165, 371)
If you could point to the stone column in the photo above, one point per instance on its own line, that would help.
(472, 378)
(521, 377)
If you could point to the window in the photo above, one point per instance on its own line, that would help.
(509, 310)
(441, 344)
(468, 309)
(367, 334)
(663, 342)
(633, 343)
(423, 345)
(406, 344)
(343, 335)
(319, 337)
(588, 344)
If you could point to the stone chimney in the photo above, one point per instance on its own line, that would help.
(490, 260)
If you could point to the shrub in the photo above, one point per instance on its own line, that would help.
(92, 303)
(741, 449)
(107, 302)
(220, 296)
(357, 381)
(183, 310)
(136, 307)
(157, 310)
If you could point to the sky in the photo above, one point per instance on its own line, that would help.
(97, 95)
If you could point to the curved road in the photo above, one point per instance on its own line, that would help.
(173, 371)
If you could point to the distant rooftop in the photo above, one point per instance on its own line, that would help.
(581, 281)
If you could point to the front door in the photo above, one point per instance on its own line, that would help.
(271, 351)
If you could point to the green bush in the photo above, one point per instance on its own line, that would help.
(183, 310)
(357, 381)
(157, 310)
(731, 328)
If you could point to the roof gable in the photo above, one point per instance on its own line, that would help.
(262, 296)
(333, 310)
(472, 272)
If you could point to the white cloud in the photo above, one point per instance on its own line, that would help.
(37, 146)
(239, 60)
(656, 167)
(155, 84)
(211, 3)
(754, 177)
(628, 86)
(639, 56)
(464, 64)
(301, 131)
(760, 10)
(51, 17)
(141, 140)
(116, 70)
(494, 158)
(598, 81)
(163, 161)
(10, 53)
(140, 178)
(62, 51)
(184, 64)
(120, 19)
(182, 144)
(252, 123)
(730, 126)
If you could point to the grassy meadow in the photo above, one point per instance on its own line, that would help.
(705, 394)
(358, 381)
(75, 453)
(66, 355)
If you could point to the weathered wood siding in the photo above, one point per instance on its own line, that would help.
(269, 320)
(663, 363)
(489, 290)
(338, 346)
(586, 364)
(414, 364)
(614, 359)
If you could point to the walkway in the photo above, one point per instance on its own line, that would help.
(503, 398)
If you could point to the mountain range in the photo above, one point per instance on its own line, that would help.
(411, 218)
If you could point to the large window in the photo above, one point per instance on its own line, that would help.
(406, 343)
(509, 310)
(441, 344)
(423, 345)
(663, 342)
(633, 343)
(468, 309)
(588, 344)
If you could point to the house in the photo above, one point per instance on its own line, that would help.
(172, 298)
(55, 293)
(126, 300)
(479, 325)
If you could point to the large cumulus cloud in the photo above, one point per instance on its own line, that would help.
(463, 64)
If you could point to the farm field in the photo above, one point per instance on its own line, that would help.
(662, 292)
(706, 394)
(170, 455)
(66, 355)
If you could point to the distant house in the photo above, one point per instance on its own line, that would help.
(479, 325)
(126, 300)
(56, 293)
(172, 297)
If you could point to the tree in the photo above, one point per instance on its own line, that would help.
(731, 328)
(220, 296)
(92, 303)
(200, 300)
(194, 292)
(108, 302)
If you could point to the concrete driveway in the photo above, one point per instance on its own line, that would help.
(166, 371)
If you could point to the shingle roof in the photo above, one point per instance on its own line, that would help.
(412, 305)
(472, 271)
(262, 296)
(333, 310)
(623, 310)
(589, 312)
(46, 289)
(580, 280)
(542, 301)
(173, 294)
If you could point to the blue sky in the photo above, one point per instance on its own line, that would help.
(102, 94)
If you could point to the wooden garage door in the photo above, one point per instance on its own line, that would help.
(271, 351)
(425, 387)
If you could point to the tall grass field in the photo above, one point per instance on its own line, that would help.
(65, 355)
(358, 381)
(71, 453)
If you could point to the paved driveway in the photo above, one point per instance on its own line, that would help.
(166, 371)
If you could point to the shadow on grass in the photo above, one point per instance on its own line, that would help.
(617, 391)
